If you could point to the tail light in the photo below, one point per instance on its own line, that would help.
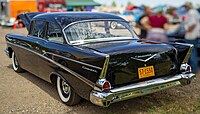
(185, 68)
(105, 85)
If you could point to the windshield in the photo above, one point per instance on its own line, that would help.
(91, 31)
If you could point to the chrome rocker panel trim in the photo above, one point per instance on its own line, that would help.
(139, 89)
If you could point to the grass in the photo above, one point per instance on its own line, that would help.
(177, 108)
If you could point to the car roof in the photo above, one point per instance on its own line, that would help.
(66, 18)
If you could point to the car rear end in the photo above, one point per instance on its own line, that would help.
(142, 72)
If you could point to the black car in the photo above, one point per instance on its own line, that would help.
(85, 57)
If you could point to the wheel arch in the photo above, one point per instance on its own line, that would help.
(53, 77)
(10, 50)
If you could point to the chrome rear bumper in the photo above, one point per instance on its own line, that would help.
(139, 89)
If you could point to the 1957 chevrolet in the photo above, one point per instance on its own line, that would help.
(96, 56)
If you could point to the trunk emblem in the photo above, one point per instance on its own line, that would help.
(144, 60)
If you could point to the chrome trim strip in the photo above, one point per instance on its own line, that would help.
(189, 51)
(157, 81)
(90, 83)
(139, 89)
(63, 30)
(86, 64)
(105, 66)
(188, 54)
(145, 59)
(185, 44)
(94, 20)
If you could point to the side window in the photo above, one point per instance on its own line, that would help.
(38, 29)
(54, 33)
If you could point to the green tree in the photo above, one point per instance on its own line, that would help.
(114, 4)
(129, 4)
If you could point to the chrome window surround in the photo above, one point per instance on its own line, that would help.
(129, 27)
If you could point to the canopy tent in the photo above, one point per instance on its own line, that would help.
(81, 3)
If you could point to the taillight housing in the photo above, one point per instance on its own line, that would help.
(185, 68)
(104, 84)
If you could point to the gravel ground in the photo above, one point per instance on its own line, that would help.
(26, 93)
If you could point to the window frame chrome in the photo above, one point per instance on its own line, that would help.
(134, 36)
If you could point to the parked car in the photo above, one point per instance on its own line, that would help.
(178, 33)
(98, 63)
(132, 15)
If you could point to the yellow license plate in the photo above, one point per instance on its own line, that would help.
(145, 72)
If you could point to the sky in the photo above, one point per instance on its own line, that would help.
(150, 3)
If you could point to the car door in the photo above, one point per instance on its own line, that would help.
(55, 45)
(35, 41)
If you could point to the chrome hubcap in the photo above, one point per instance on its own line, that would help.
(65, 87)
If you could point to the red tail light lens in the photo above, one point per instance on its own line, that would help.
(188, 69)
(106, 85)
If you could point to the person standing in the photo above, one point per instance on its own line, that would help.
(156, 24)
(141, 24)
(192, 27)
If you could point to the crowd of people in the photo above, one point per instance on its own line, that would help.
(154, 25)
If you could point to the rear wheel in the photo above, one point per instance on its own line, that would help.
(15, 63)
(66, 93)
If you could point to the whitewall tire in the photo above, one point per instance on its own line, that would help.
(15, 63)
(66, 93)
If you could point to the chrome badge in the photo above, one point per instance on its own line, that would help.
(150, 56)
(89, 69)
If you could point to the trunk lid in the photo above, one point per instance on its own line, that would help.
(127, 57)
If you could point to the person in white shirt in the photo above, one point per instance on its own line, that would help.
(192, 27)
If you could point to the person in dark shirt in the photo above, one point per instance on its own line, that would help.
(147, 12)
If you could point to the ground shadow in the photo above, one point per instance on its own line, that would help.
(10, 66)
(44, 85)
(138, 105)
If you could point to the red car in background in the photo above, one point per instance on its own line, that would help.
(52, 6)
